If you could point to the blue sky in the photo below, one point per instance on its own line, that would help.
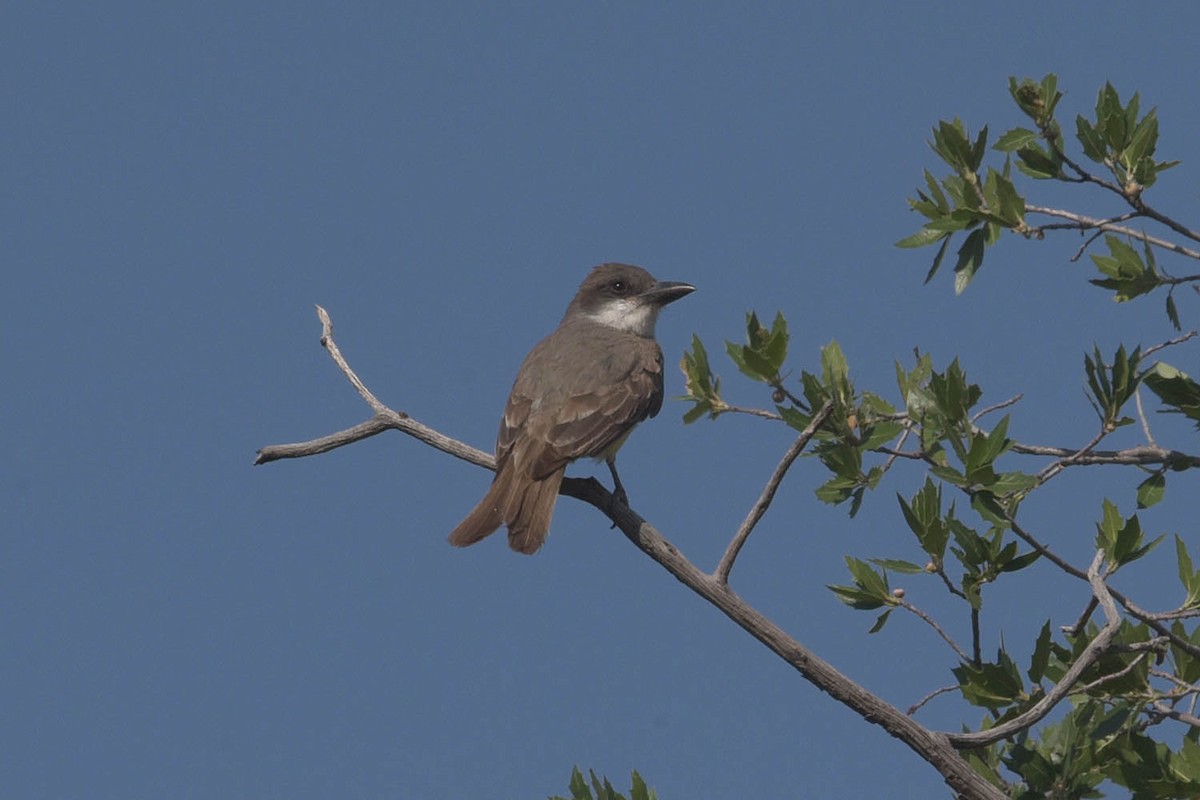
(183, 182)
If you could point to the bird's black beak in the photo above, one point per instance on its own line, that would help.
(663, 292)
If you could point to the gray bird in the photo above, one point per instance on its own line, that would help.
(578, 394)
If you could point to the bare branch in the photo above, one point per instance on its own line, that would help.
(1158, 216)
(907, 606)
(1005, 404)
(1071, 630)
(932, 747)
(331, 347)
(768, 493)
(1141, 412)
(1169, 342)
(915, 707)
(1167, 711)
(896, 451)
(1045, 551)
(1112, 676)
(384, 419)
(1184, 687)
(1058, 466)
(1143, 455)
(1085, 223)
(754, 412)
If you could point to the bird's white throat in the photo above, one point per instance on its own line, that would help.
(627, 315)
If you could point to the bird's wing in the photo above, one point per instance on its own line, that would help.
(516, 414)
(590, 422)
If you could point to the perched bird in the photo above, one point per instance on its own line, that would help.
(578, 394)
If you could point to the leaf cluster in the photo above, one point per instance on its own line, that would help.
(982, 202)
(600, 788)
(1144, 666)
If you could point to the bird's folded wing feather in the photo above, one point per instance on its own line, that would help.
(582, 425)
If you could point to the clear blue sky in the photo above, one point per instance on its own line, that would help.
(181, 183)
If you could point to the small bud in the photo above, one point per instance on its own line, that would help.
(931, 567)
(778, 396)
(898, 593)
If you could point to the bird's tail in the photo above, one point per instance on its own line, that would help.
(524, 505)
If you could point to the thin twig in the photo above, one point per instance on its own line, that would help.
(768, 493)
(1158, 216)
(1187, 688)
(897, 451)
(917, 706)
(1083, 248)
(950, 587)
(1053, 469)
(1072, 630)
(1103, 679)
(1005, 404)
(928, 620)
(1141, 412)
(976, 644)
(754, 412)
(331, 347)
(1169, 342)
(1045, 551)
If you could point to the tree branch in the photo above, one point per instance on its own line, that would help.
(768, 493)
(934, 748)
(931, 622)
(1090, 654)
(1084, 223)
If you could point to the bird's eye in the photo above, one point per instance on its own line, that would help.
(618, 287)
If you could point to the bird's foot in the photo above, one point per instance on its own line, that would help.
(619, 497)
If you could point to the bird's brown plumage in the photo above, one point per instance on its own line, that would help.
(560, 410)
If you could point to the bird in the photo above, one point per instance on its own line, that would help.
(578, 394)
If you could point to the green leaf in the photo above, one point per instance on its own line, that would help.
(970, 258)
(896, 565)
(879, 623)
(1175, 389)
(1015, 139)
(1021, 562)
(835, 490)
(578, 786)
(923, 237)
(640, 790)
(1151, 490)
(867, 578)
(793, 417)
(1091, 140)
(758, 364)
(924, 518)
(990, 685)
(1108, 528)
(1187, 575)
(986, 505)
(937, 260)
(834, 369)
(1037, 163)
(1041, 655)
(702, 388)
(1172, 312)
(856, 598)
(1143, 140)
(1008, 483)
(1011, 205)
